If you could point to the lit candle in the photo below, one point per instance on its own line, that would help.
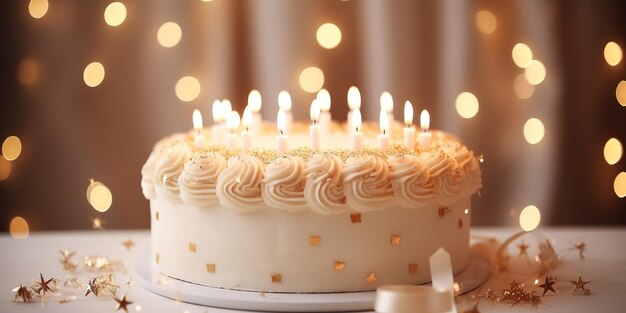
(383, 138)
(246, 134)
(281, 138)
(323, 99)
(254, 102)
(232, 123)
(354, 103)
(284, 104)
(218, 119)
(386, 104)
(425, 136)
(314, 129)
(409, 130)
(198, 137)
(356, 136)
(227, 108)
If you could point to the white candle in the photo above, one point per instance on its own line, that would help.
(425, 136)
(409, 130)
(218, 118)
(323, 99)
(232, 123)
(383, 138)
(284, 104)
(314, 129)
(198, 137)
(356, 135)
(386, 104)
(246, 134)
(354, 102)
(254, 102)
(227, 108)
(281, 138)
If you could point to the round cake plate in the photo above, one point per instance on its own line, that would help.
(476, 273)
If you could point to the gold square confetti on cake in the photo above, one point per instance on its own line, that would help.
(156, 215)
(413, 268)
(395, 240)
(355, 218)
(157, 258)
(370, 278)
(192, 247)
(210, 268)
(339, 266)
(315, 241)
(277, 278)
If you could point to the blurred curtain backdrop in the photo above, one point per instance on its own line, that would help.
(423, 51)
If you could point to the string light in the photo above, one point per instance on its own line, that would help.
(93, 75)
(311, 79)
(38, 8)
(328, 35)
(613, 151)
(18, 227)
(187, 88)
(612, 53)
(486, 22)
(115, 14)
(620, 93)
(534, 131)
(529, 218)
(522, 88)
(11, 148)
(169, 34)
(466, 104)
(99, 196)
(522, 55)
(535, 72)
(619, 185)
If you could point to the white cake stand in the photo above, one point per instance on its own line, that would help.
(476, 273)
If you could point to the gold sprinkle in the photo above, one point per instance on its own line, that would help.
(192, 247)
(413, 268)
(157, 258)
(395, 240)
(460, 223)
(315, 241)
(210, 268)
(370, 278)
(277, 278)
(157, 215)
(339, 266)
(443, 211)
(355, 218)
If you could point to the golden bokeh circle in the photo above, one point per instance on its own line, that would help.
(522, 88)
(619, 185)
(522, 55)
(169, 34)
(613, 151)
(328, 35)
(115, 14)
(11, 148)
(28, 72)
(535, 72)
(466, 104)
(620, 93)
(612, 53)
(534, 131)
(93, 75)
(38, 8)
(187, 88)
(486, 22)
(311, 79)
(530, 218)
(18, 228)
(99, 196)
(5, 168)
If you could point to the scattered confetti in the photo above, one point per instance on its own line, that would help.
(23, 293)
(579, 284)
(122, 303)
(547, 285)
(128, 244)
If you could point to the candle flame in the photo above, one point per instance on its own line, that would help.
(254, 100)
(227, 107)
(425, 120)
(232, 123)
(217, 111)
(386, 102)
(281, 122)
(323, 98)
(408, 113)
(197, 120)
(246, 117)
(354, 98)
(315, 111)
(383, 122)
(356, 119)
(284, 101)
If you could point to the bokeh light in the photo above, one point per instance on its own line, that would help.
(466, 104)
(522, 88)
(612, 53)
(522, 55)
(533, 131)
(535, 72)
(115, 14)
(328, 35)
(93, 74)
(187, 88)
(619, 185)
(311, 79)
(11, 148)
(613, 151)
(38, 8)
(19, 228)
(620, 93)
(99, 196)
(5, 168)
(28, 72)
(169, 34)
(529, 218)
(486, 22)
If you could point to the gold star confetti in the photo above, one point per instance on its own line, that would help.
(42, 286)
(122, 303)
(23, 293)
(579, 284)
(443, 211)
(581, 246)
(128, 244)
(97, 223)
(547, 285)
(66, 260)
(92, 287)
(523, 249)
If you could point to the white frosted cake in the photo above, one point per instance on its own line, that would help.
(333, 221)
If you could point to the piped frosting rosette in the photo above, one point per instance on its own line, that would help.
(239, 185)
(411, 182)
(283, 186)
(367, 183)
(147, 178)
(445, 175)
(167, 169)
(470, 171)
(323, 190)
(199, 178)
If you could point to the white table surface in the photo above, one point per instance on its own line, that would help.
(22, 260)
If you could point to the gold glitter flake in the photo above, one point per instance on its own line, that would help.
(277, 278)
(413, 268)
(192, 247)
(395, 240)
(315, 241)
(339, 266)
(355, 218)
(157, 258)
(443, 211)
(370, 278)
(156, 215)
(210, 268)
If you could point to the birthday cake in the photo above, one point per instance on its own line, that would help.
(304, 221)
